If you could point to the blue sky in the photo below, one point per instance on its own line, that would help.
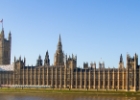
(94, 30)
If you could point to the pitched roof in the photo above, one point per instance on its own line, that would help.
(7, 67)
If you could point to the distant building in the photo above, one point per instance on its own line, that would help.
(65, 73)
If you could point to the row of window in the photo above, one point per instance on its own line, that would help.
(62, 83)
(79, 82)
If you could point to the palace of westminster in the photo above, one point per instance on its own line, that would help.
(64, 73)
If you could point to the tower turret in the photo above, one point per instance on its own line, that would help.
(71, 62)
(9, 36)
(121, 62)
(85, 65)
(39, 61)
(2, 34)
(5, 49)
(24, 61)
(47, 60)
(121, 59)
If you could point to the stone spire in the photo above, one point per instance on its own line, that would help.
(47, 54)
(59, 46)
(47, 60)
(59, 38)
(9, 36)
(59, 54)
(121, 59)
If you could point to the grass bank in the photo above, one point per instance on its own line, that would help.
(73, 92)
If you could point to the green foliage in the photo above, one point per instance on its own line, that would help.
(66, 91)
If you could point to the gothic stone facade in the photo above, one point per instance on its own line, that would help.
(5, 48)
(65, 73)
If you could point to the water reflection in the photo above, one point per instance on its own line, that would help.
(60, 97)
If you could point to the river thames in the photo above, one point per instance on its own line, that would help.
(32, 96)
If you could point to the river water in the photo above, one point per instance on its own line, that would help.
(19, 96)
